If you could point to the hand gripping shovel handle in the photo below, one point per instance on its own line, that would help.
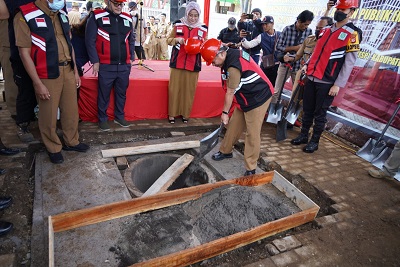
(388, 123)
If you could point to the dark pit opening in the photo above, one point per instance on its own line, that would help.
(144, 172)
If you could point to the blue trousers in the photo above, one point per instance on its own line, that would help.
(117, 77)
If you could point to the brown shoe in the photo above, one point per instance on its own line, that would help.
(379, 174)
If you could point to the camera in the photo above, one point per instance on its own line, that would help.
(248, 33)
(249, 16)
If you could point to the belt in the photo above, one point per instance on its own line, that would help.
(64, 63)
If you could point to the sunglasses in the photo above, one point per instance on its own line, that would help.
(117, 4)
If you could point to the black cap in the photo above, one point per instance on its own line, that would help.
(132, 4)
(232, 21)
(257, 10)
(267, 19)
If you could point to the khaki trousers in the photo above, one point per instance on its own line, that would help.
(62, 95)
(162, 47)
(280, 79)
(251, 121)
(10, 88)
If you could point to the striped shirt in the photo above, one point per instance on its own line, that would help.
(291, 37)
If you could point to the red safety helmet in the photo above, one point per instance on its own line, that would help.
(209, 50)
(345, 4)
(192, 46)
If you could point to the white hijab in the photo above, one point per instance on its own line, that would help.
(185, 20)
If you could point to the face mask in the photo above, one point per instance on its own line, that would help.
(56, 5)
(134, 13)
(317, 32)
(339, 16)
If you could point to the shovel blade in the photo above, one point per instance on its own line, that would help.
(275, 113)
(381, 158)
(293, 114)
(281, 131)
(210, 141)
(370, 150)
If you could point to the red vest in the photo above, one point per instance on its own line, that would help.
(330, 51)
(179, 58)
(44, 50)
(112, 42)
(254, 88)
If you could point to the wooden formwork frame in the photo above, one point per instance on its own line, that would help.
(79, 218)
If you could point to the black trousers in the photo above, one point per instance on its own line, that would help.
(271, 73)
(316, 102)
(26, 98)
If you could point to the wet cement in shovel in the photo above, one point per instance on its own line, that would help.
(219, 213)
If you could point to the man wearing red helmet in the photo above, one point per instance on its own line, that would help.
(246, 82)
(112, 58)
(328, 69)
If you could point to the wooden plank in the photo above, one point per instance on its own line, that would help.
(228, 243)
(107, 153)
(169, 176)
(51, 243)
(75, 219)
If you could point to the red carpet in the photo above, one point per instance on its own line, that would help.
(147, 94)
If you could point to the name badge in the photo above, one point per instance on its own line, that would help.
(342, 36)
(245, 55)
(105, 20)
(200, 33)
(64, 18)
(40, 22)
(126, 23)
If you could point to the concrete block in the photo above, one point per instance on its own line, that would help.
(306, 252)
(285, 259)
(174, 134)
(272, 250)
(122, 163)
(324, 221)
(340, 207)
(7, 260)
(286, 243)
(342, 216)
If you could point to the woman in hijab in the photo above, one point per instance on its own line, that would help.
(185, 62)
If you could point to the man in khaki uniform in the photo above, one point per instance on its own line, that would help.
(153, 40)
(162, 32)
(10, 88)
(52, 70)
(74, 16)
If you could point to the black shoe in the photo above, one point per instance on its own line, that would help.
(310, 147)
(5, 227)
(247, 173)
(81, 147)
(9, 151)
(220, 156)
(5, 202)
(301, 139)
(2, 171)
(56, 158)
(184, 120)
(289, 126)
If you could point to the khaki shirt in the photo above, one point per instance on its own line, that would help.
(23, 33)
(162, 30)
(306, 49)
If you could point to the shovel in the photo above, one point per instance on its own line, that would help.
(210, 141)
(295, 110)
(372, 148)
(275, 109)
(381, 158)
(281, 133)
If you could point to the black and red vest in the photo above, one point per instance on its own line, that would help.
(179, 58)
(254, 88)
(330, 51)
(44, 50)
(113, 31)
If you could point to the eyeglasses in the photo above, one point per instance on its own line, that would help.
(117, 4)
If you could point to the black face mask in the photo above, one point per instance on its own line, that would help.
(339, 16)
(317, 32)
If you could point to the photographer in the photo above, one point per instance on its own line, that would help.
(229, 36)
(250, 27)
